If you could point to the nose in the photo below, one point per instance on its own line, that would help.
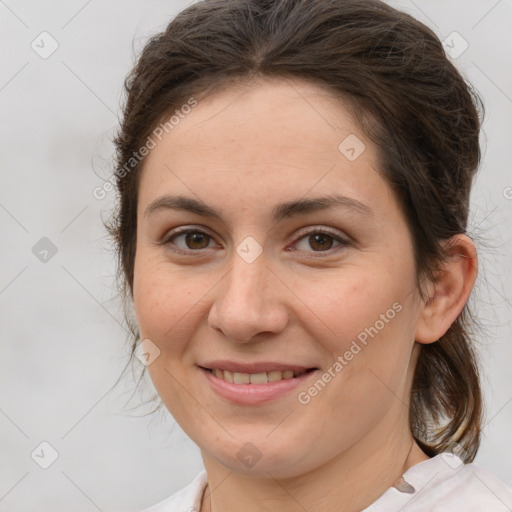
(249, 300)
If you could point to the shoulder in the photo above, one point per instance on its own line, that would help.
(187, 499)
(445, 483)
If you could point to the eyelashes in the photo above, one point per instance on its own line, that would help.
(199, 237)
(312, 236)
(316, 241)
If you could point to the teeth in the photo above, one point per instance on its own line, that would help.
(258, 378)
(239, 378)
(275, 375)
(255, 378)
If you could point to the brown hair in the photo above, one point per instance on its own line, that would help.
(410, 100)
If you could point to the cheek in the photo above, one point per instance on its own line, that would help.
(164, 302)
(356, 303)
(362, 319)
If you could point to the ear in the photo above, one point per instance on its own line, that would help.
(450, 290)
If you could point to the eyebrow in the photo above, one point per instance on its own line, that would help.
(279, 212)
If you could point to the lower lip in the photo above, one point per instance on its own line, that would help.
(254, 394)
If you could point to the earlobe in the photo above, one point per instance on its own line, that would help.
(450, 291)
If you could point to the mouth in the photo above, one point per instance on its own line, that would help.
(261, 377)
(258, 387)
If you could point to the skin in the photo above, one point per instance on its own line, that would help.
(242, 151)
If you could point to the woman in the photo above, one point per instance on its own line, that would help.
(294, 181)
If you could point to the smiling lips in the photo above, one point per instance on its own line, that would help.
(255, 373)
(258, 384)
(256, 378)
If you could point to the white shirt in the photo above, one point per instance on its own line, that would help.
(440, 484)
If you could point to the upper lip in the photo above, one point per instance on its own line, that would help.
(259, 367)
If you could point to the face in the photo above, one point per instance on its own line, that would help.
(295, 255)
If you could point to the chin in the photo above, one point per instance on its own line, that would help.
(259, 459)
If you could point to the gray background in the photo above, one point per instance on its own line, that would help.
(63, 344)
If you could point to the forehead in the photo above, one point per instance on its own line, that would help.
(250, 114)
(268, 138)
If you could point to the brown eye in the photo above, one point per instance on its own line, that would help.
(320, 241)
(189, 240)
(196, 240)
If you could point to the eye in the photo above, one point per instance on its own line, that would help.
(189, 239)
(320, 240)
